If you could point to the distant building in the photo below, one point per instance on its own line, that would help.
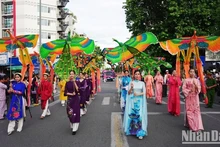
(22, 16)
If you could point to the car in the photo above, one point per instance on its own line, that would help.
(108, 75)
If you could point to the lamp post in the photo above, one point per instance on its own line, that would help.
(40, 34)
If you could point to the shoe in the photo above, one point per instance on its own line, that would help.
(73, 133)
(140, 137)
(42, 117)
(9, 133)
(19, 131)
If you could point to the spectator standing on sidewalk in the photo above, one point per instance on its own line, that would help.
(210, 86)
(218, 86)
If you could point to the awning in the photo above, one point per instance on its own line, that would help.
(19, 67)
(14, 61)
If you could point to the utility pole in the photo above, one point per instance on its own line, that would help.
(40, 34)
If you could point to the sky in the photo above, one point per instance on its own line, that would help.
(100, 20)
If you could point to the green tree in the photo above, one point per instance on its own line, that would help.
(172, 18)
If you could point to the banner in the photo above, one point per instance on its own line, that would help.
(210, 56)
(4, 59)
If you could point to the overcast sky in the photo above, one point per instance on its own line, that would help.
(100, 20)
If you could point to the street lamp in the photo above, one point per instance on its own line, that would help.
(40, 33)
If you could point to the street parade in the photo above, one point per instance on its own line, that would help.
(157, 86)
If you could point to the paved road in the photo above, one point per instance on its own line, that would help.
(101, 126)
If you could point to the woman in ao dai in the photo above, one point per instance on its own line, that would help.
(135, 117)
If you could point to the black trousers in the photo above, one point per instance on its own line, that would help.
(164, 94)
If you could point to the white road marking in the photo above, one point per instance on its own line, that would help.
(118, 138)
(205, 112)
(213, 116)
(106, 101)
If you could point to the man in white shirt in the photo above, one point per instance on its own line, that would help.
(165, 86)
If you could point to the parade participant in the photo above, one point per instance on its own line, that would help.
(45, 91)
(81, 83)
(210, 86)
(135, 116)
(125, 81)
(174, 95)
(16, 110)
(118, 85)
(61, 85)
(158, 87)
(96, 83)
(88, 88)
(149, 80)
(73, 103)
(3, 104)
(218, 87)
(7, 82)
(191, 88)
(165, 83)
(34, 87)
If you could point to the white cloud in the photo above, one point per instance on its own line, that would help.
(100, 20)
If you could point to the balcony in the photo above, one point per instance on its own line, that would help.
(62, 27)
(62, 35)
(6, 1)
(7, 13)
(62, 14)
(7, 26)
(62, 3)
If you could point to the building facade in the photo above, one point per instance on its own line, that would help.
(22, 17)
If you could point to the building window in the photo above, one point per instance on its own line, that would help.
(48, 22)
(49, 36)
(5, 34)
(8, 9)
(44, 22)
(8, 22)
(45, 35)
(44, 9)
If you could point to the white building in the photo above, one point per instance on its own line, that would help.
(22, 16)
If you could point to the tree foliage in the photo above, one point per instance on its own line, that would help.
(171, 19)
